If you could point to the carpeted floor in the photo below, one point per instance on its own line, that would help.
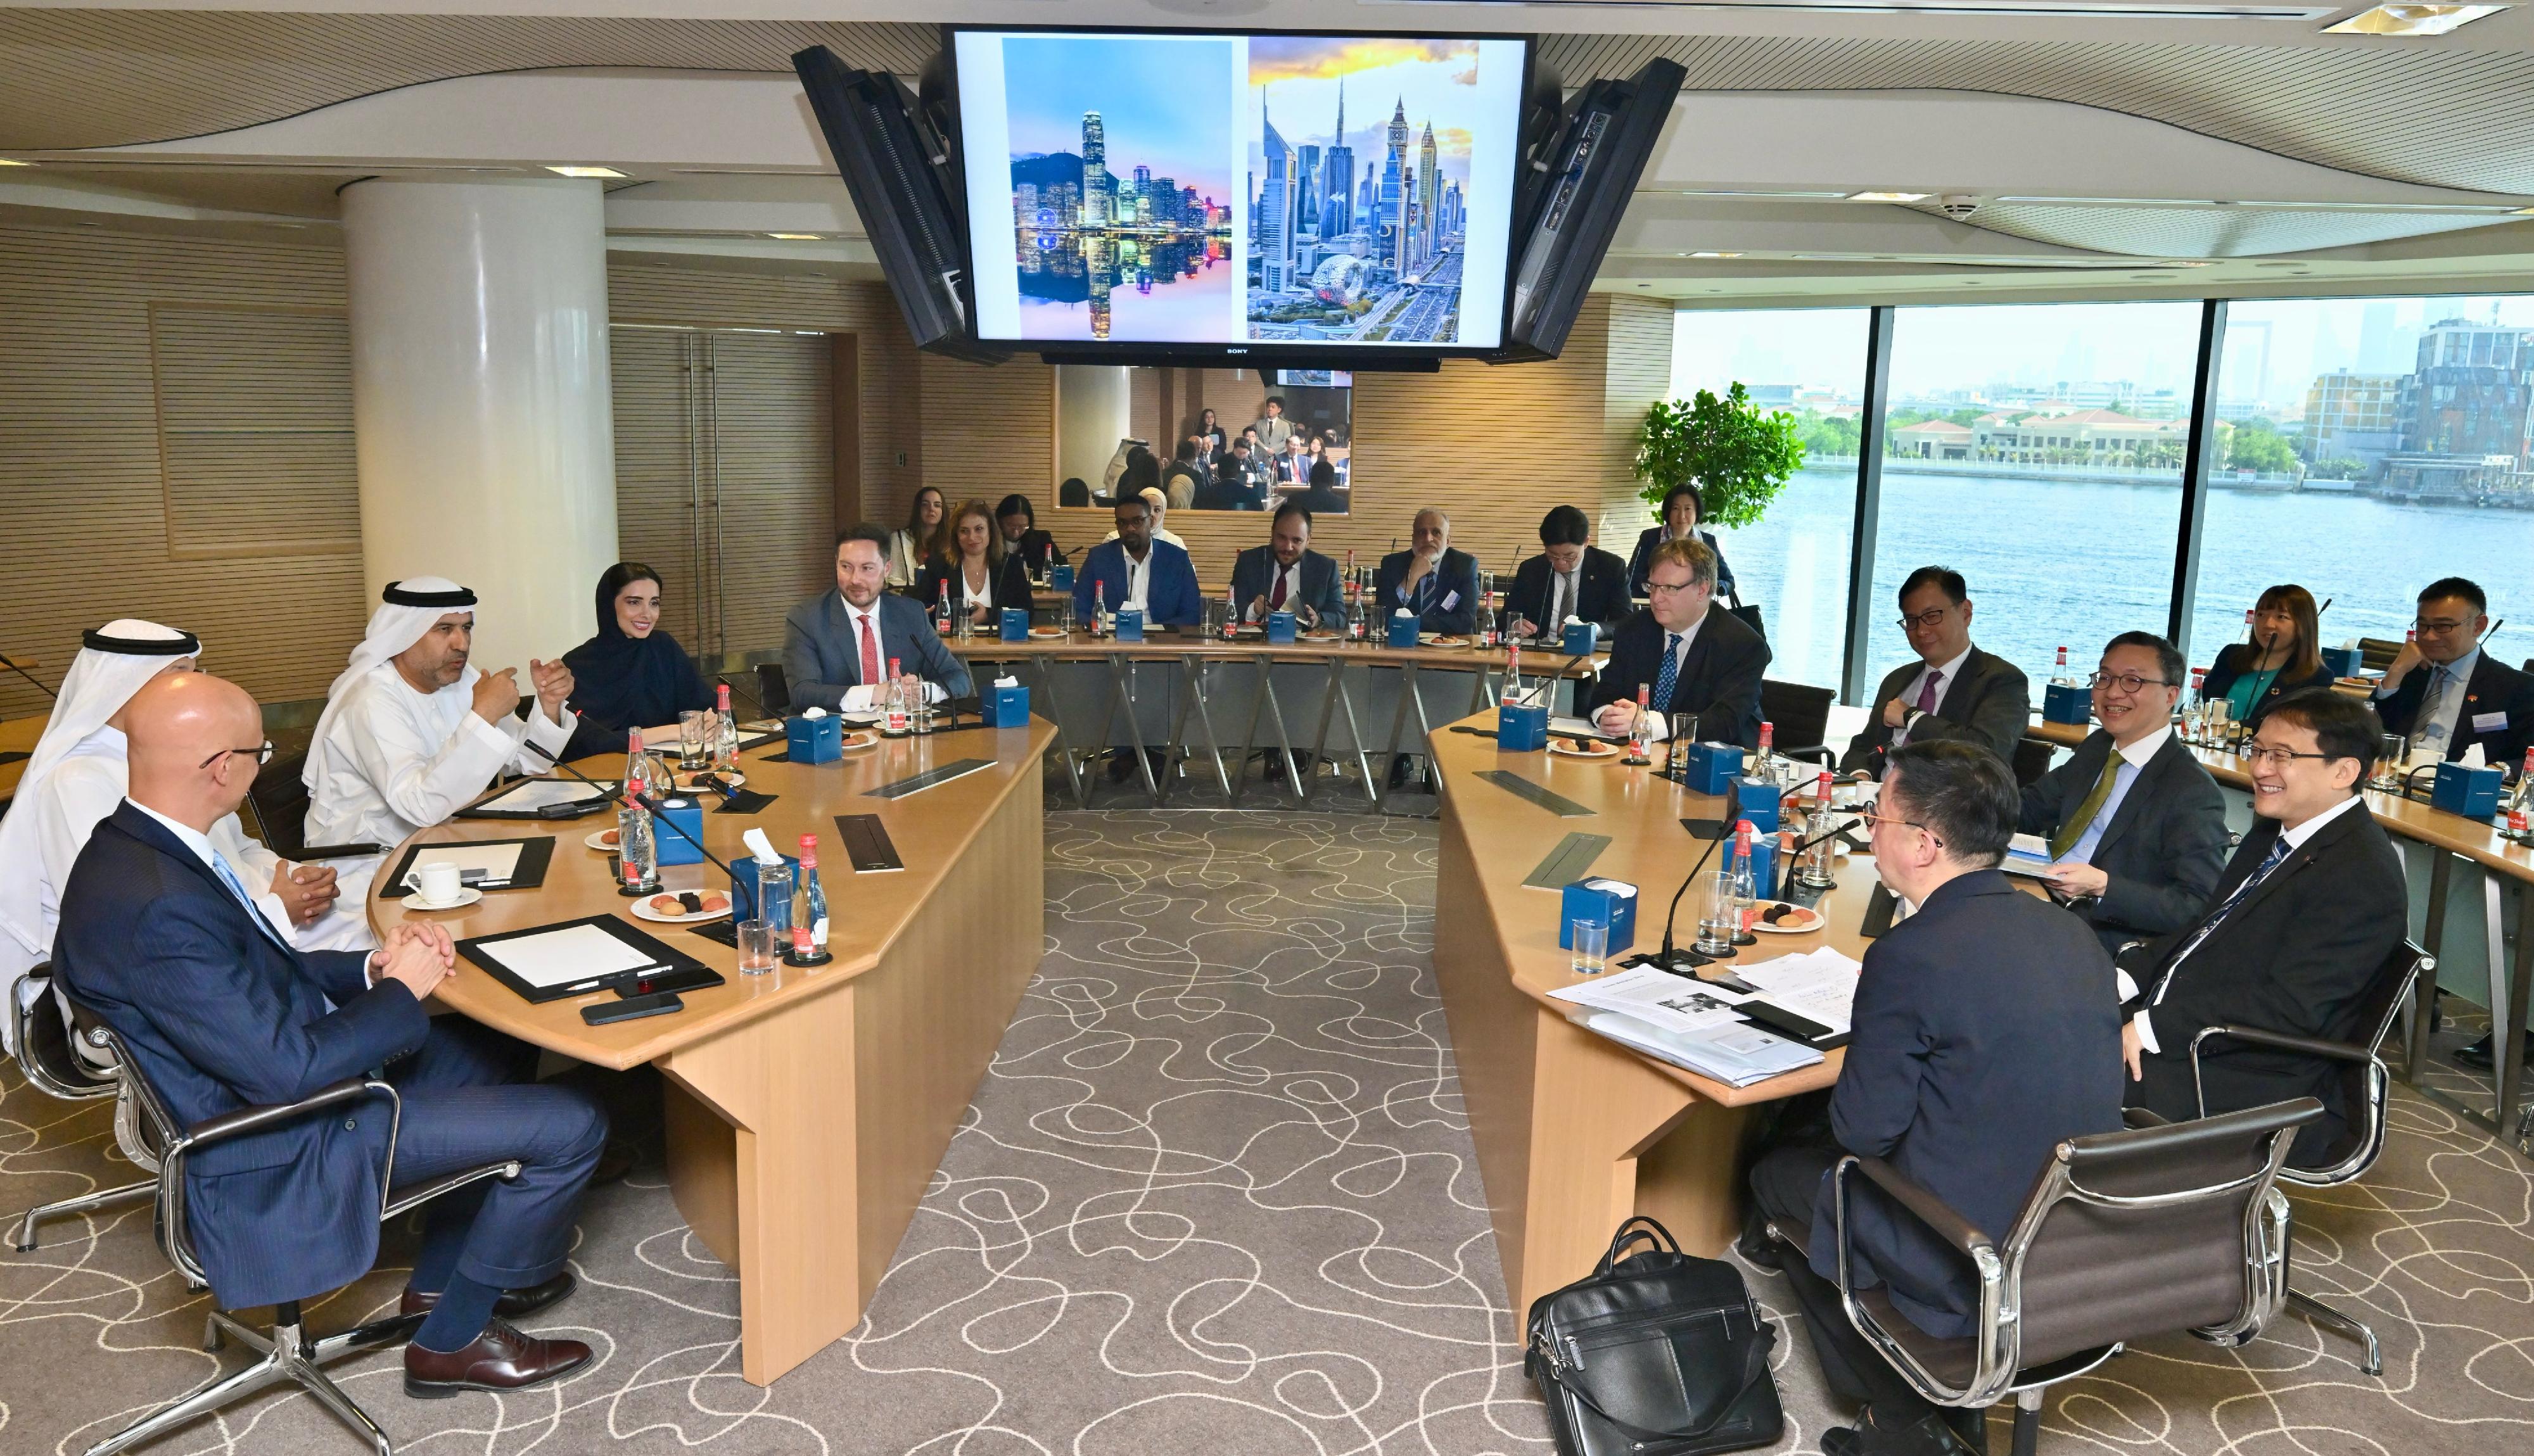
(1217, 1195)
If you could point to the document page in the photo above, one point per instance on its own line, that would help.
(2026, 854)
(1818, 985)
(1658, 998)
(1581, 728)
(536, 793)
(575, 953)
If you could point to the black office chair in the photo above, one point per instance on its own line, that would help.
(2365, 1088)
(279, 805)
(2031, 760)
(54, 1067)
(2195, 1202)
(2376, 654)
(1798, 716)
(774, 689)
(289, 1352)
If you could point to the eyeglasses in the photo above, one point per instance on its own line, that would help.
(1931, 619)
(1665, 588)
(2441, 628)
(2258, 754)
(2127, 682)
(1874, 818)
(262, 755)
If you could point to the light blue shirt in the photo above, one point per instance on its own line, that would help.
(2134, 761)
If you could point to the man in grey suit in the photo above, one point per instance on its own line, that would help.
(2135, 826)
(837, 645)
(1953, 690)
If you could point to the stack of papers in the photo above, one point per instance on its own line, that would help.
(1580, 728)
(1689, 1023)
(536, 793)
(1817, 985)
(2026, 854)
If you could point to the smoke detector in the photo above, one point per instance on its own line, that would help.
(1958, 205)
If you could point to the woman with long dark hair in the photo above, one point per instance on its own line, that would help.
(2283, 656)
(1022, 538)
(632, 674)
(926, 535)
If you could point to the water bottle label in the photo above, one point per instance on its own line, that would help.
(819, 933)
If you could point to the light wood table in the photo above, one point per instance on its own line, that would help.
(807, 1109)
(1574, 1132)
(18, 735)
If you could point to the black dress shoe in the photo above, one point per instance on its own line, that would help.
(2479, 1055)
(515, 1304)
(1757, 1248)
(1932, 1435)
(499, 1360)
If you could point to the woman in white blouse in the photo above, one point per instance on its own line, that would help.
(981, 577)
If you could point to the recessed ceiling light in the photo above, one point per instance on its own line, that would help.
(1716, 254)
(1888, 197)
(796, 237)
(2522, 213)
(2411, 20)
(586, 172)
(11, 161)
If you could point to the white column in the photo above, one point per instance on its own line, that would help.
(480, 402)
(1092, 414)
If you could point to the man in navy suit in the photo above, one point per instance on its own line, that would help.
(220, 1014)
(1135, 570)
(1287, 575)
(1437, 583)
(1985, 1031)
(2443, 694)
(1568, 578)
(837, 645)
(1688, 656)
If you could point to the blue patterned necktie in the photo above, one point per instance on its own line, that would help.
(2271, 861)
(1668, 674)
(228, 877)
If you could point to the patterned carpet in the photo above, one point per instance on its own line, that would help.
(1217, 1195)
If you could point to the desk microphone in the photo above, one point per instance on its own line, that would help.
(754, 700)
(1787, 871)
(31, 677)
(1732, 808)
(1553, 677)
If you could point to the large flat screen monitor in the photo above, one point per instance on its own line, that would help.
(1189, 191)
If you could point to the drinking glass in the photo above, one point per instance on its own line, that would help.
(2388, 764)
(1591, 940)
(775, 901)
(1684, 730)
(1064, 614)
(757, 953)
(694, 738)
(1721, 917)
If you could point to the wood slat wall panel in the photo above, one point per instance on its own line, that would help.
(656, 467)
(776, 474)
(255, 431)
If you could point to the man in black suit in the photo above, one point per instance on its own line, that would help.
(1953, 690)
(2306, 913)
(2443, 694)
(2137, 828)
(1984, 1033)
(1437, 583)
(1287, 575)
(1690, 657)
(1568, 578)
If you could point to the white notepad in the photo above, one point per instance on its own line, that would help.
(559, 958)
(536, 793)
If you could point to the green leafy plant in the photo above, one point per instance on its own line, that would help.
(1737, 456)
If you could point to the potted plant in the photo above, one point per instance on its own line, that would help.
(1737, 456)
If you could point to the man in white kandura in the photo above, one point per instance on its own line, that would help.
(77, 774)
(411, 733)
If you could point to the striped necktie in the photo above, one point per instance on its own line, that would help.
(2279, 854)
(228, 877)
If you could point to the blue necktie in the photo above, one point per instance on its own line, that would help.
(228, 877)
(1668, 674)
(2271, 861)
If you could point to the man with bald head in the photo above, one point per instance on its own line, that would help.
(1437, 583)
(218, 1013)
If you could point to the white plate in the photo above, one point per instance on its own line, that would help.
(598, 841)
(643, 911)
(1596, 752)
(693, 782)
(413, 899)
(1763, 928)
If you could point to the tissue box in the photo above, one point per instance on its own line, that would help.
(1712, 765)
(1006, 706)
(1759, 803)
(1402, 630)
(2063, 702)
(816, 740)
(742, 887)
(1130, 625)
(2471, 792)
(1015, 626)
(1279, 628)
(676, 848)
(1523, 728)
(1613, 903)
(2344, 662)
(1579, 639)
(1061, 577)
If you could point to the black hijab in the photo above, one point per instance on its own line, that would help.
(622, 682)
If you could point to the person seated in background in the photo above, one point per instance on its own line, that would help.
(1272, 426)
(1239, 482)
(2283, 656)
(1953, 690)
(220, 1015)
(1287, 575)
(1323, 498)
(982, 578)
(1133, 457)
(633, 674)
(1073, 492)
(2135, 826)
(1984, 1033)
(838, 645)
(926, 535)
(1690, 656)
(1680, 513)
(1437, 583)
(1294, 465)
(1022, 538)
(1185, 476)
(2444, 695)
(1157, 506)
(1567, 579)
(412, 731)
(79, 772)
(1133, 570)
(2303, 918)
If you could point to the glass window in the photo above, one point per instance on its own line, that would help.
(1792, 563)
(2371, 446)
(2037, 450)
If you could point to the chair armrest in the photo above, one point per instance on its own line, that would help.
(1938, 1215)
(1819, 751)
(2140, 1117)
(337, 851)
(255, 1118)
(2338, 1050)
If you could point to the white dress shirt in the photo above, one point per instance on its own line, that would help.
(406, 760)
(1139, 578)
(1660, 728)
(1952, 672)
(1292, 576)
(2134, 761)
(864, 697)
(2435, 730)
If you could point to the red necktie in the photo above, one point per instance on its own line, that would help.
(871, 652)
(1275, 598)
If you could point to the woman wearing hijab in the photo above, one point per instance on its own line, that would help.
(982, 578)
(926, 535)
(631, 674)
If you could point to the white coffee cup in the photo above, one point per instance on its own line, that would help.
(435, 882)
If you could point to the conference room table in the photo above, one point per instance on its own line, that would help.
(807, 1109)
(1575, 1132)
(2448, 840)
(1210, 683)
(17, 738)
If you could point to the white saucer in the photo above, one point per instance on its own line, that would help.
(598, 841)
(413, 899)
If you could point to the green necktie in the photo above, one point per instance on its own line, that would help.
(2074, 828)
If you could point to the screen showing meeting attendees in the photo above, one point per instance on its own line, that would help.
(1143, 189)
